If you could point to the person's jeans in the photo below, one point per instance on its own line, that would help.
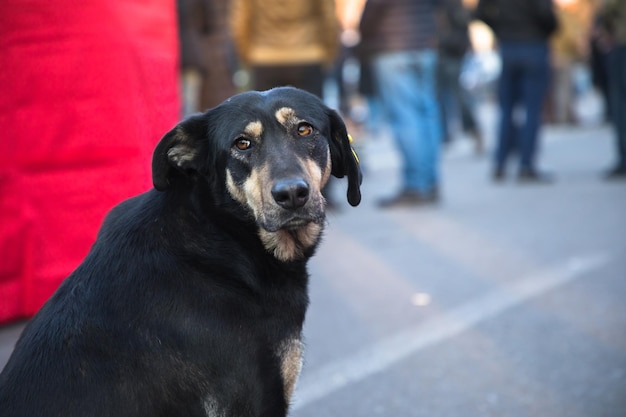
(408, 87)
(617, 95)
(523, 82)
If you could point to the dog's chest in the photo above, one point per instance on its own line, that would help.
(267, 357)
(289, 353)
(288, 356)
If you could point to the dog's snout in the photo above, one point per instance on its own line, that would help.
(291, 193)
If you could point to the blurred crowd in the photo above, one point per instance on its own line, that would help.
(86, 84)
(421, 66)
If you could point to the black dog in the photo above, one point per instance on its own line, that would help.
(192, 300)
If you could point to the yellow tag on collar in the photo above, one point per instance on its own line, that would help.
(356, 157)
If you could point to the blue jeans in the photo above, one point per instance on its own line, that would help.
(408, 87)
(523, 82)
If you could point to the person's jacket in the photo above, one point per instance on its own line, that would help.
(615, 17)
(453, 23)
(398, 25)
(518, 20)
(285, 32)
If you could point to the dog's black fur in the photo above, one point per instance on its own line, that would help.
(192, 299)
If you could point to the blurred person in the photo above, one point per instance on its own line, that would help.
(87, 92)
(522, 30)
(368, 108)
(598, 59)
(372, 113)
(455, 101)
(286, 42)
(570, 49)
(615, 26)
(400, 38)
(345, 73)
(206, 54)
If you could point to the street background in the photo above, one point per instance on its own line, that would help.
(502, 300)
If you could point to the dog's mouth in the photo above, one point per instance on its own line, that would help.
(290, 238)
(292, 224)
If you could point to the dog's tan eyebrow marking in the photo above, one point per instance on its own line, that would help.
(254, 128)
(315, 171)
(284, 115)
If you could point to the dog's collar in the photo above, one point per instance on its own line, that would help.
(356, 157)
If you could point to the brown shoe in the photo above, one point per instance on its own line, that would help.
(498, 175)
(409, 198)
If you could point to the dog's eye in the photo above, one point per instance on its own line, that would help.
(305, 129)
(243, 144)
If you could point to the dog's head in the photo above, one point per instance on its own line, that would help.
(271, 152)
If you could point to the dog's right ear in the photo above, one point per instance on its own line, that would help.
(177, 153)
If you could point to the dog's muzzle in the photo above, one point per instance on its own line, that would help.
(295, 206)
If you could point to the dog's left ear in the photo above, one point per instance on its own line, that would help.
(177, 154)
(343, 157)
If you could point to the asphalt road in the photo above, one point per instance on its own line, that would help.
(503, 300)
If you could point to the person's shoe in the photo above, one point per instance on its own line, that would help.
(498, 175)
(531, 176)
(617, 173)
(409, 198)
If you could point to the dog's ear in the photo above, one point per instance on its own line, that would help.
(177, 153)
(344, 160)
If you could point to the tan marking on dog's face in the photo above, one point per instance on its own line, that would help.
(327, 170)
(280, 244)
(316, 174)
(251, 193)
(285, 115)
(254, 129)
(290, 354)
(288, 246)
(253, 189)
(308, 235)
(235, 192)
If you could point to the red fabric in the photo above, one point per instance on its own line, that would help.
(87, 88)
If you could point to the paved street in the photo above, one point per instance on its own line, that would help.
(503, 300)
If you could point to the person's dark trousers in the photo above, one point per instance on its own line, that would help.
(523, 83)
(307, 77)
(453, 99)
(617, 95)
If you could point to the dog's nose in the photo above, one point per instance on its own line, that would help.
(291, 193)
